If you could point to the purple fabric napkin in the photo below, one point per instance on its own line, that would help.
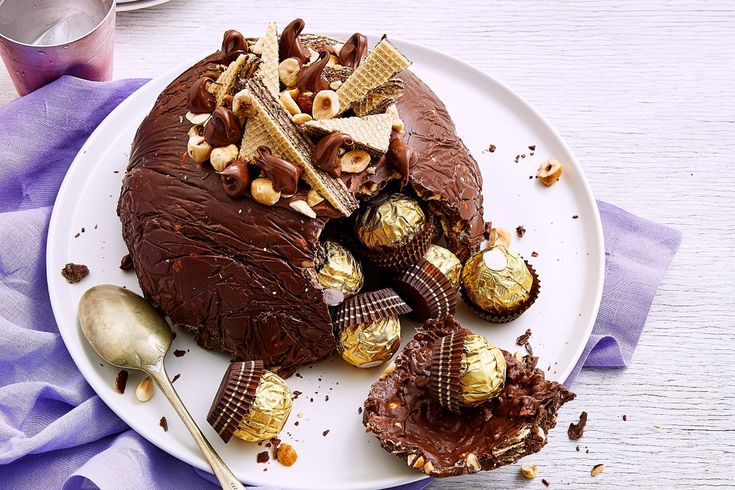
(54, 430)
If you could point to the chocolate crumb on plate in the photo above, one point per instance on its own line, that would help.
(263, 457)
(74, 272)
(520, 231)
(532, 147)
(126, 263)
(295, 394)
(534, 254)
(325, 433)
(576, 431)
(545, 482)
(77, 235)
(177, 376)
(492, 148)
(523, 339)
(121, 380)
(576, 216)
(179, 353)
(164, 424)
(625, 418)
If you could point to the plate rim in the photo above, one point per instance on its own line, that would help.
(55, 228)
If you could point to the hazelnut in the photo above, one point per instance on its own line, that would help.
(393, 111)
(428, 468)
(499, 235)
(415, 461)
(597, 469)
(295, 92)
(550, 171)
(196, 131)
(391, 367)
(305, 100)
(257, 48)
(197, 119)
(313, 55)
(286, 454)
(288, 103)
(301, 118)
(335, 84)
(313, 198)
(198, 149)
(144, 390)
(288, 71)
(519, 357)
(222, 156)
(354, 161)
(529, 471)
(473, 465)
(242, 104)
(398, 125)
(326, 105)
(303, 208)
(263, 192)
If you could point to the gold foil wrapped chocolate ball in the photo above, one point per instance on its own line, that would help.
(370, 344)
(252, 403)
(482, 371)
(446, 262)
(497, 280)
(391, 223)
(338, 269)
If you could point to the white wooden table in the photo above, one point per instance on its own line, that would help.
(643, 93)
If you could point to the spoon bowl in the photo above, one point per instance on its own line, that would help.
(123, 328)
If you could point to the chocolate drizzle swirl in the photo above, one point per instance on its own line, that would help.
(223, 128)
(289, 46)
(235, 179)
(353, 51)
(326, 152)
(200, 100)
(311, 79)
(401, 156)
(285, 175)
(233, 44)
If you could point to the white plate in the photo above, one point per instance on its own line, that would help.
(570, 263)
(130, 5)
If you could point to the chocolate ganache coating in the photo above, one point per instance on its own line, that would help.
(240, 276)
(410, 424)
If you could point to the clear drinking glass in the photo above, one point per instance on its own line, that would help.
(41, 40)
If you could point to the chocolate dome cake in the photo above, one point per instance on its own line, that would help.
(251, 157)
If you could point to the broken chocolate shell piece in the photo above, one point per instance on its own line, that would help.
(410, 424)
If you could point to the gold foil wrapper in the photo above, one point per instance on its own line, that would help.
(268, 412)
(340, 270)
(391, 223)
(482, 371)
(445, 261)
(497, 279)
(370, 344)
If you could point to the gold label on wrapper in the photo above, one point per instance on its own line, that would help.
(370, 344)
(269, 411)
(391, 223)
(340, 270)
(482, 371)
(446, 262)
(497, 279)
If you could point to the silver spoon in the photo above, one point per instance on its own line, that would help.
(126, 331)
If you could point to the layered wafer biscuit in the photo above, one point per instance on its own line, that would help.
(370, 133)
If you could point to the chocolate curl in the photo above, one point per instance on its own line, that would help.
(401, 156)
(353, 51)
(311, 78)
(235, 179)
(444, 380)
(200, 100)
(284, 175)
(326, 152)
(223, 128)
(233, 44)
(289, 45)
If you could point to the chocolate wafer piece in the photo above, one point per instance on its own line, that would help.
(369, 307)
(234, 77)
(235, 396)
(370, 133)
(290, 144)
(378, 99)
(268, 70)
(382, 63)
(427, 290)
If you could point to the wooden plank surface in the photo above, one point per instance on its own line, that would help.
(643, 94)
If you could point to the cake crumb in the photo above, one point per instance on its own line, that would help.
(121, 381)
(325, 433)
(359, 410)
(126, 263)
(492, 148)
(534, 254)
(177, 376)
(164, 424)
(576, 216)
(546, 483)
(263, 457)
(520, 231)
(576, 431)
(625, 418)
(74, 273)
(179, 353)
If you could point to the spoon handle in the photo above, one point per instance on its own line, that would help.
(226, 479)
